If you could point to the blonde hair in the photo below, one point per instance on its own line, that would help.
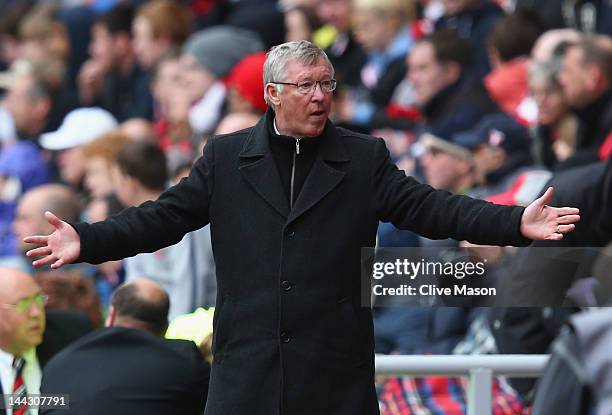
(106, 146)
(403, 9)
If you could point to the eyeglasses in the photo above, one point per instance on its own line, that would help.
(307, 87)
(25, 304)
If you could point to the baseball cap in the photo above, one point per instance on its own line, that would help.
(495, 130)
(79, 127)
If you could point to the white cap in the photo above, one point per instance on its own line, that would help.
(79, 127)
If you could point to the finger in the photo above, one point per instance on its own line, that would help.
(547, 196)
(555, 237)
(53, 220)
(57, 264)
(565, 228)
(42, 251)
(564, 220)
(36, 239)
(43, 261)
(567, 211)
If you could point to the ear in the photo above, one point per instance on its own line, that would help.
(110, 319)
(273, 94)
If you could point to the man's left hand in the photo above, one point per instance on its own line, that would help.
(542, 222)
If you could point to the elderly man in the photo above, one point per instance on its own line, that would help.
(23, 325)
(291, 201)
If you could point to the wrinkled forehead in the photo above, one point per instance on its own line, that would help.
(300, 70)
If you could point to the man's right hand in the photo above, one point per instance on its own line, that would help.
(61, 247)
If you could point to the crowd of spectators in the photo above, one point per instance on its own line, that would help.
(104, 104)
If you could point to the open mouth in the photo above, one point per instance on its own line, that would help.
(317, 113)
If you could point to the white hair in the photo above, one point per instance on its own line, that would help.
(277, 58)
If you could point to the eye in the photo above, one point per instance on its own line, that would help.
(306, 86)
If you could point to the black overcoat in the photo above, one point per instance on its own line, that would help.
(290, 336)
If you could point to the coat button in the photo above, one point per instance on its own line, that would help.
(286, 285)
(285, 337)
(290, 233)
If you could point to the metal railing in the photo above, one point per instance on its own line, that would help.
(479, 368)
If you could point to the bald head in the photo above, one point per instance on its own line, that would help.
(22, 317)
(236, 121)
(30, 220)
(142, 304)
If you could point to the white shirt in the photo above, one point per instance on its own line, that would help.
(31, 374)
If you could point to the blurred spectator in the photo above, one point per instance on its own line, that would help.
(510, 43)
(80, 127)
(236, 121)
(245, 85)
(43, 37)
(22, 164)
(438, 71)
(208, 57)
(71, 291)
(10, 16)
(474, 20)
(30, 217)
(159, 26)
(586, 77)
(29, 98)
(382, 29)
(503, 165)
(127, 367)
(550, 43)
(555, 131)
(100, 157)
(185, 270)
(447, 164)
(111, 78)
(345, 54)
(300, 23)
(29, 336)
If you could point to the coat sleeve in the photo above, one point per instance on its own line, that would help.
(155, 224)
(437, 214)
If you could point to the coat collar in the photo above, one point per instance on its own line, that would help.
(258, 168)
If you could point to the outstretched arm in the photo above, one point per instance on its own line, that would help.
(61, 247)
(542, 222)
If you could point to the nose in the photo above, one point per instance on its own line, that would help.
(318, 94)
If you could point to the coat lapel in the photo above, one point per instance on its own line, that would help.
(258, 168)
(323, 176)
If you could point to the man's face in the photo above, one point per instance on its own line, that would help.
(22, 318)
(101, 47)
(19, 103)
(303, 115)
(72, 165)
(552, 105)
(426, 74)
(195, 78)
(573, 78)
(147, 48)
(98, 178)
(29, 220)
(444, 170)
